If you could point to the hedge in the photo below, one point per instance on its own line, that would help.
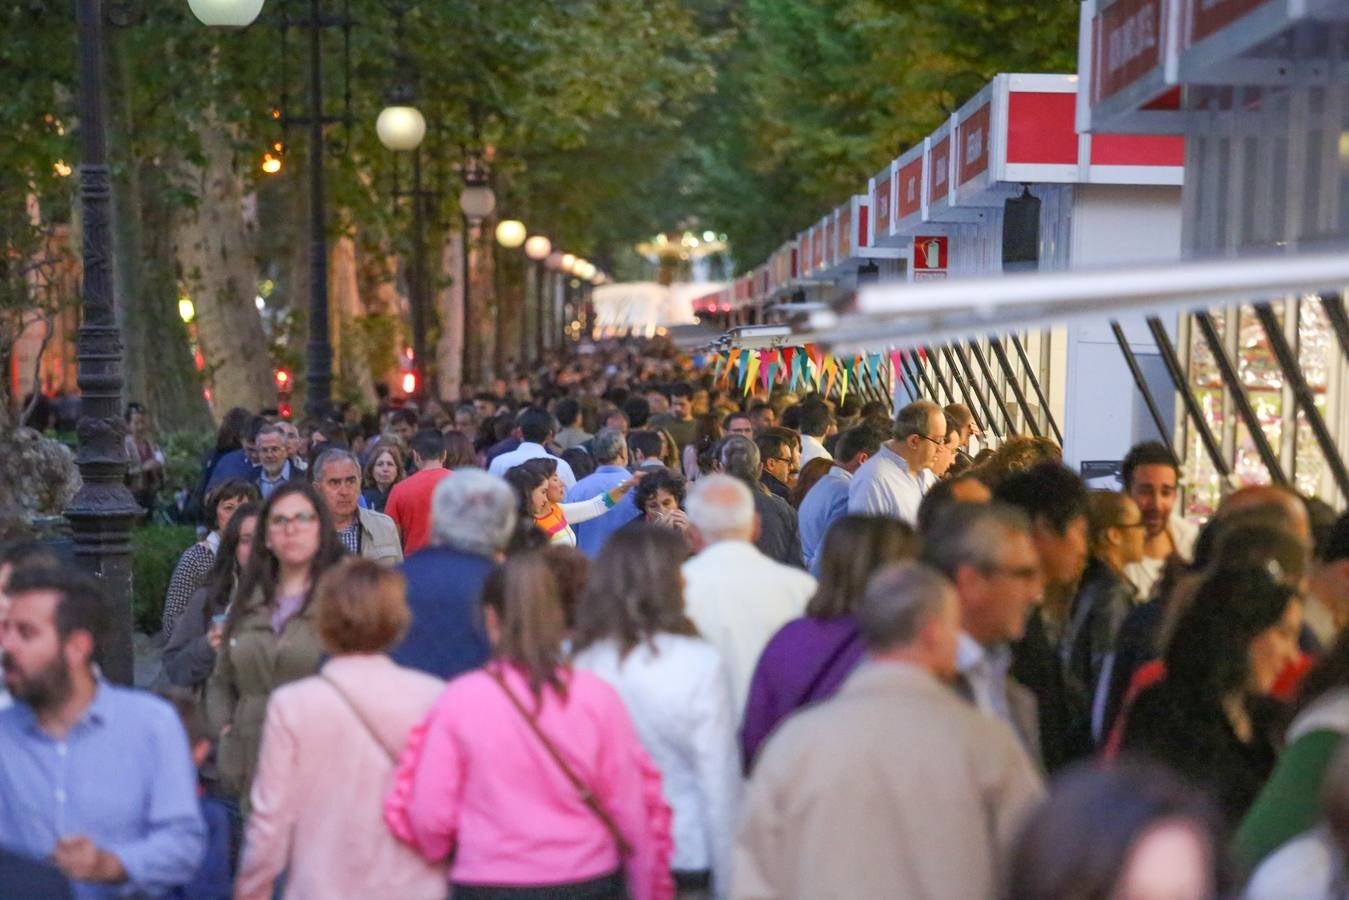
(155, 552)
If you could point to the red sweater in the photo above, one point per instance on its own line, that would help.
(410, 507)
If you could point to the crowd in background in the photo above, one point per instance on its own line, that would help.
(611, 628)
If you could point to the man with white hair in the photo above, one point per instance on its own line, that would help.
(472, 519)
(894, 759)
(736, 595)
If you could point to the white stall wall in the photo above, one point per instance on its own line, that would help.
(1092, 226)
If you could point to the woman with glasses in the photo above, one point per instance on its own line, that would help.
(269, 637)
(1104, 597)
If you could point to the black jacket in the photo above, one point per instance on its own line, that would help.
(1065, 732)
(1104, 598)
(1191, 735)
(779, 536)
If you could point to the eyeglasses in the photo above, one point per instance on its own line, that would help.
(302, 518)
(1139, 524)
(939, 443)
(1020, 573)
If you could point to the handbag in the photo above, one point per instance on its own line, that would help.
(356, 711)
(587, 796)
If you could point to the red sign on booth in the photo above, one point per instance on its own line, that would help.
(939, 179)
(1127, 44)
(881, 200)
(1208, 16)
(843, 249)
(930, 257)
(973, 135)
(911, 188)
(817, 251)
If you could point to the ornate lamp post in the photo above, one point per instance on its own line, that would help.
(401, 128)
(538, 248)
(477, 201)
(102, 512)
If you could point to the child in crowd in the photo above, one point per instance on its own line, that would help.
(215, 879)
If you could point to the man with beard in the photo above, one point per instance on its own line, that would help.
(96, 778)
(1151, 479)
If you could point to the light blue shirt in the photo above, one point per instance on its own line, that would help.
(267, 485)
(122, 777)
(824, 504)
(591, 535)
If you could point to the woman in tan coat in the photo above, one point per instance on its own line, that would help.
(269, 638)
(329, 751)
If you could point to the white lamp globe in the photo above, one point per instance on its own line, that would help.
(538, 247)
(568, 263)
(400, 127)
(225, 13)
(477, 202)
(511, 233)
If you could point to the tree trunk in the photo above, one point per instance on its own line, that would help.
(449, 302)
(220, 273)
(157, 359)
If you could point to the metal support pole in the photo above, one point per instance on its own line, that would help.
(319, 351)
(540, 308)
(1303, 393)
(922, 375)
(996, 346)
(102, 511)
(1035, 385)
(1339, 319)
(991, 423)
(912, 384)
(906, 380)
(1141, 383)
(941, 379)
(1173, 368)
(964, 387)
(988, 379)
(1242, 402)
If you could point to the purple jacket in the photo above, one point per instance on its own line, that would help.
(804, 662)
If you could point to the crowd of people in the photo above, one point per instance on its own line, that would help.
(613, 629)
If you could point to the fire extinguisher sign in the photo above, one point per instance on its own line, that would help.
(929, 260)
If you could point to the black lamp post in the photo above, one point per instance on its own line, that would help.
(239, 14)
(477, 202)
(102, 512)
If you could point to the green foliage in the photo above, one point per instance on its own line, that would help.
(155, 550)
(183, 455)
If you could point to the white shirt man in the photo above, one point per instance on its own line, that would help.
(526, 451)
(736, 596)
(892, 483)
(811, 448)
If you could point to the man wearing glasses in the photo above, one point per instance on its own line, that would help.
(780, 452)
(987, 552)
(275, 468)
(892, 482)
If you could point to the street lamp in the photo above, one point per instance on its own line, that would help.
(476, 201)
(102, 511)
(538, 248)
(401, 127)
(237, 14)
(226, 13)
(511, 233)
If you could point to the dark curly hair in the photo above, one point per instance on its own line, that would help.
(663, 480)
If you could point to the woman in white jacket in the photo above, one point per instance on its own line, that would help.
(631, 631)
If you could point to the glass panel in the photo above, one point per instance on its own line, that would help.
(1204, 488)
(1316, 354)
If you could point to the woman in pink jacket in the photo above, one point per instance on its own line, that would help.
(329, 751)
(531, 771)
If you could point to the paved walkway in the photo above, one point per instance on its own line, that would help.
(147, 660)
